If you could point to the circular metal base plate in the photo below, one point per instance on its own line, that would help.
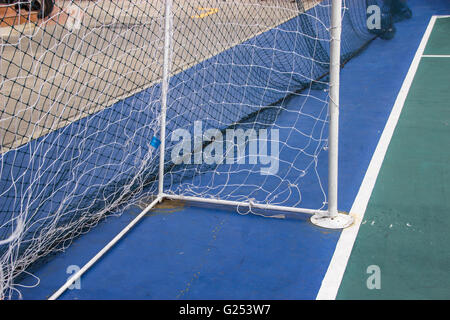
(340, 221)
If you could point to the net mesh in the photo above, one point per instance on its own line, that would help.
(247, 110)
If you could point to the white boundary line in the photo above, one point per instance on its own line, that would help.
(333, 277)
(436, 56)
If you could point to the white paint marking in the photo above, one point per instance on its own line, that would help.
(436, 56)
(333, 277)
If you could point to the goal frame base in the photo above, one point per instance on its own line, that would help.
(244, 204)
(320, 218)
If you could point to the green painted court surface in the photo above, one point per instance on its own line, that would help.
(405, 230)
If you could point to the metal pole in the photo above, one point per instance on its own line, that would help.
(333, 219)
(333, 136)
(249, 205)
(164, 89)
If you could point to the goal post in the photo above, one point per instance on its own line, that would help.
(329, 218)
(333, 219)
(164, 88)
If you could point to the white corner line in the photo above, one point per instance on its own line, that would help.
(436, 56)
(333, 277)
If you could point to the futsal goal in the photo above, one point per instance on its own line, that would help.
(106, 104)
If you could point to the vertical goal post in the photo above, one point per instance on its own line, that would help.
(333, 219)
